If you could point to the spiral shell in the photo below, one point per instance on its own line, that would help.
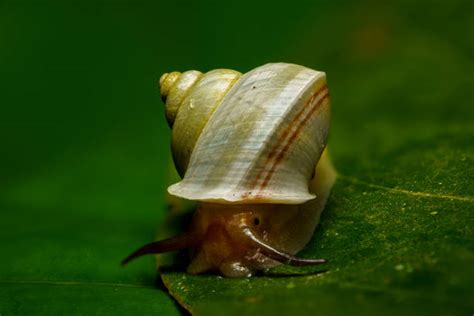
(191, 98)
(254, 138)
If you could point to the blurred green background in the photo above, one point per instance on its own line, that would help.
(85, 156)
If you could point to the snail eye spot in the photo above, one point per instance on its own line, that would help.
(256, 221)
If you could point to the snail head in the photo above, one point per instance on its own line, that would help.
(235, 240)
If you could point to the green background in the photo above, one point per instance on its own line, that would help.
(85, 159)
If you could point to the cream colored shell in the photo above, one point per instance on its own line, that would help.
(250, 139)
(196, 107)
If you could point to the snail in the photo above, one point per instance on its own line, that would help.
(251, 149)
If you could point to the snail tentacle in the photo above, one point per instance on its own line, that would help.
(277, 255)
(179, 242)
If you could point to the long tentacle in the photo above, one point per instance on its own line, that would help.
(277, 255)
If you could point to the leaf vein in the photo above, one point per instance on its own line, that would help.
(407, 192)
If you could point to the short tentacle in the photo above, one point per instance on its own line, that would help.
(179, 242)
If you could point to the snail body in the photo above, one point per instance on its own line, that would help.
(251, 150)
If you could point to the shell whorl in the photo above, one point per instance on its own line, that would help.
(258, 143)
(174, 86)
(191, 97)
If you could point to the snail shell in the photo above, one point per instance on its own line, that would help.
(253, 139)
(251, 149)
(191, 98)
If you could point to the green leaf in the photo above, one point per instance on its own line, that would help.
(61, 256)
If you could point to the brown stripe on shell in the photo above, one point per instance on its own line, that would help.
(286, 139)
(282, 138)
